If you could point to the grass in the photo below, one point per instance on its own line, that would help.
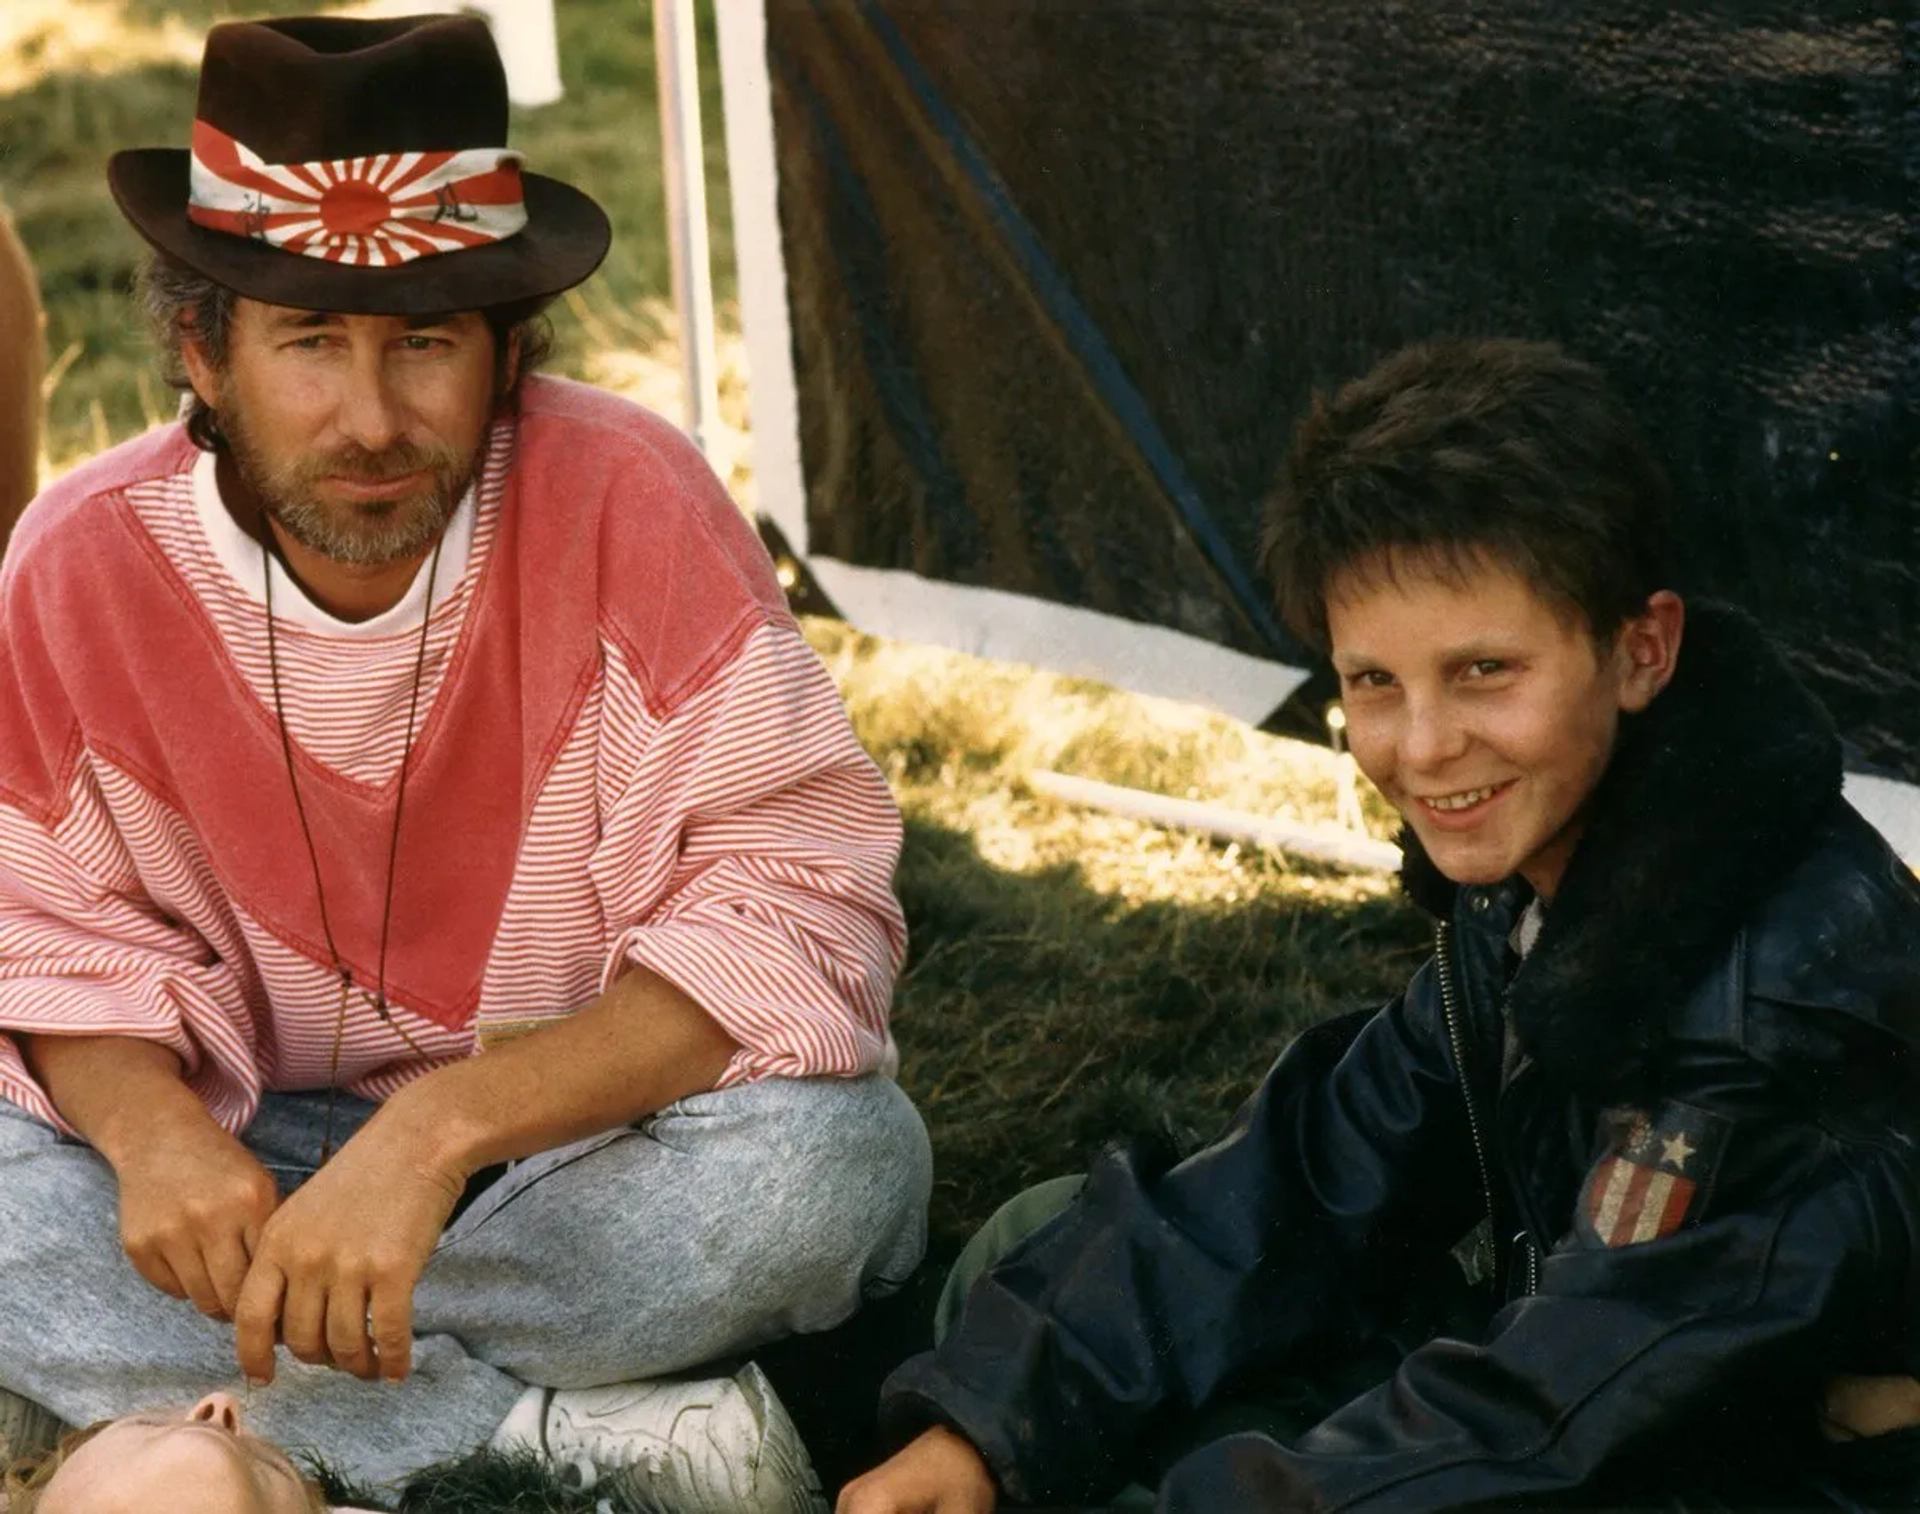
(1072, 976)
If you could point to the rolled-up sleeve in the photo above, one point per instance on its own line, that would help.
(747, 853)
(84, 950)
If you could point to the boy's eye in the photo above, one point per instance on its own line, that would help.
(1485, 667)
(1369, 678)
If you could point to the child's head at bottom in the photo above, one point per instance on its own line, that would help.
(204, 1458)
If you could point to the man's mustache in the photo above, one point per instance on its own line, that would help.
(366, 467)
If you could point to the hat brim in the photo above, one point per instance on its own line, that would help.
(565, 239)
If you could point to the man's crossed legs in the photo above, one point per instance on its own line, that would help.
(727, 1220)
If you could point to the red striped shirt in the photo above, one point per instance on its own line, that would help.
(680, 790)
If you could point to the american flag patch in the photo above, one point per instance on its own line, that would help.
(1655, 1171)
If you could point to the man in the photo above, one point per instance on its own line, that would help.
(396, 708)
(1655, 1091)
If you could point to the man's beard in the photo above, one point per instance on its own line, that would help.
(366, 535)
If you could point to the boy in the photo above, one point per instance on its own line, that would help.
(1652, 1091)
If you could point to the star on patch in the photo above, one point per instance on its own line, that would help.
(1655, 1169)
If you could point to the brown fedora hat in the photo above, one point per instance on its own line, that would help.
(359, 166)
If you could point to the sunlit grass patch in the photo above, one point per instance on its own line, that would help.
(934, 718)
(98, 38)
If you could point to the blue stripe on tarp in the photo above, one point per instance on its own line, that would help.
(1102, 366)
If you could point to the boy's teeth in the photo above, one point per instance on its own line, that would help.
(1461, 801)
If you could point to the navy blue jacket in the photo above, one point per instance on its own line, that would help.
(1676, 1146)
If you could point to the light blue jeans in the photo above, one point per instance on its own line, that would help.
(725, 1221)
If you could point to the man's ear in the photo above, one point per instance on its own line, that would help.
(200, 370)
(1648, 650)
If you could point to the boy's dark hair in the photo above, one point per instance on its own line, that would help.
(1471, 451)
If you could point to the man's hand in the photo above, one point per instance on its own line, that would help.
(940, 1473)
(345, 1252)
(192, 1207)
(334, 1272)
(193, 1200)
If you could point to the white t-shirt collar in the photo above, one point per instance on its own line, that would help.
(241, 556)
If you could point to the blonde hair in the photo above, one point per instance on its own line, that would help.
(26, 1477)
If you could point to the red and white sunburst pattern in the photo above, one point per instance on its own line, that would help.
(374, 212)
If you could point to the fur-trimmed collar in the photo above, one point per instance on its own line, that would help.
(1713, 795)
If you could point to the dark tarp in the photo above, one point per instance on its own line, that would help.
(1062, 275)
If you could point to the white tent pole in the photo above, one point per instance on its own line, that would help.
(779, 481)
(1342, 848)
(676, 58)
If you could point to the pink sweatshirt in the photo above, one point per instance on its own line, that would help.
(625, 755)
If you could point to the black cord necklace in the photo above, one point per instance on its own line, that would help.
(378, 999)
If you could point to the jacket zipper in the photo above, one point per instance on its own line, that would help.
(1524, 1237)
(1450, 1012)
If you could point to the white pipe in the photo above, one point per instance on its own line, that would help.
(759, 253)
(683, 159)
(1357, 852)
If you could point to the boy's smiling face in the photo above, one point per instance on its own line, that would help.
(1485, 713)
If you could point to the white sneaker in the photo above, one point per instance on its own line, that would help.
(722, 1446)
(26, 1429)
